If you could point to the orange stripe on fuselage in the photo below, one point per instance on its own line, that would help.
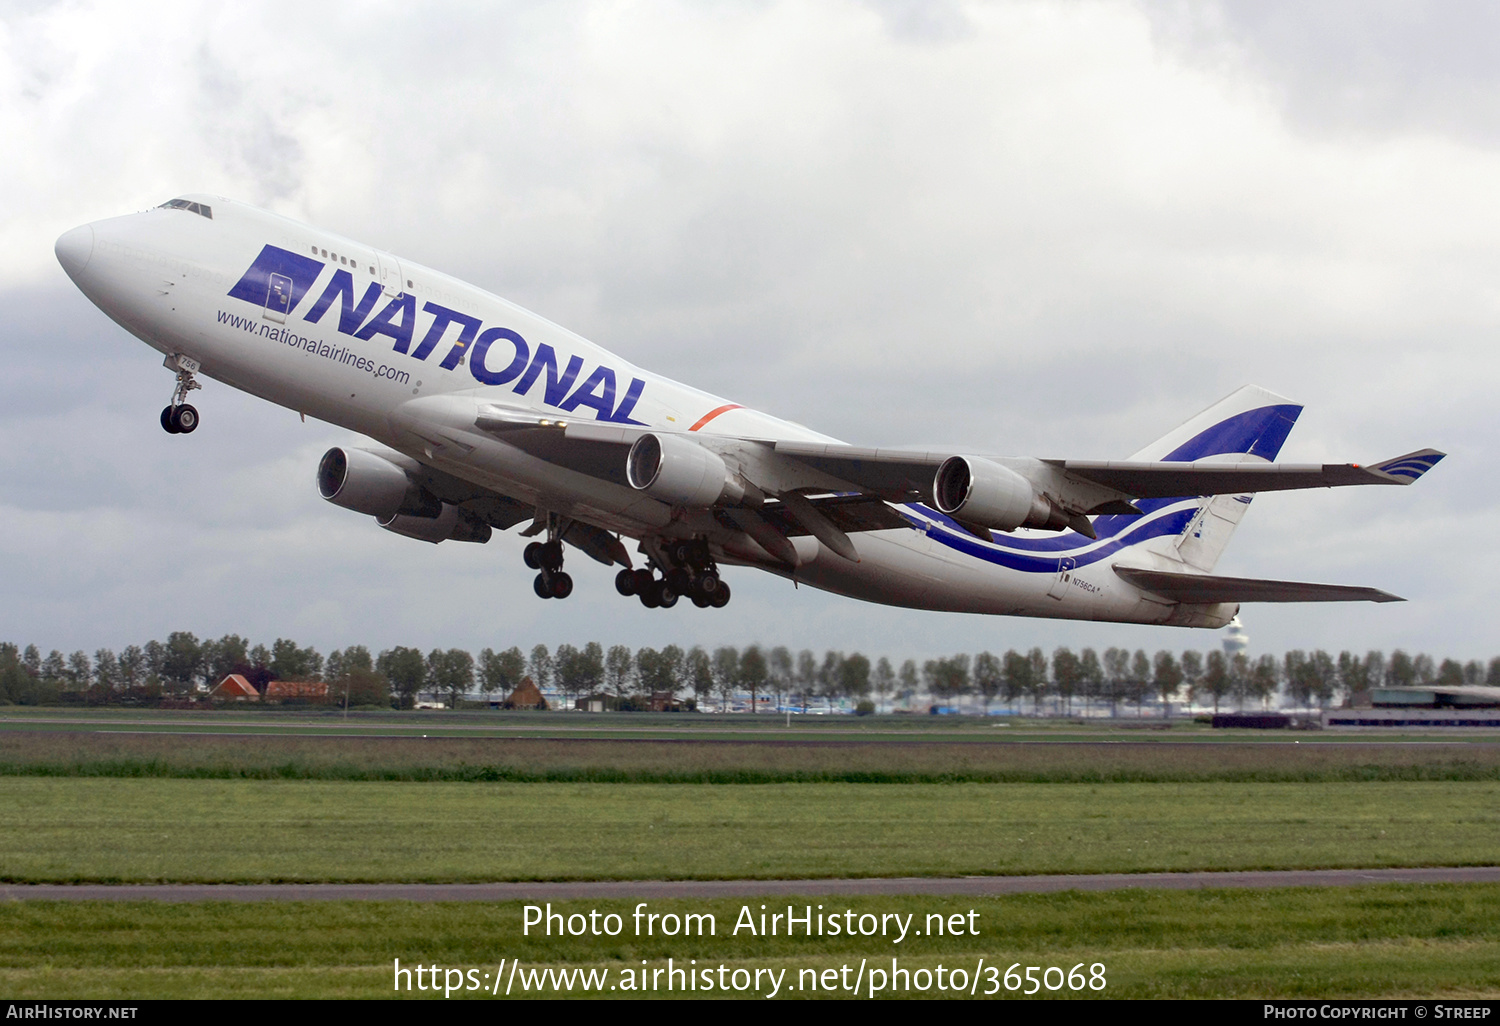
(711, 414)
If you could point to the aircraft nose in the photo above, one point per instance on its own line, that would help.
(74, 248)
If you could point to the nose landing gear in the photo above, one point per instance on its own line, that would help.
(179, 418)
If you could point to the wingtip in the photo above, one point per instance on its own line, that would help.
(1406, 469)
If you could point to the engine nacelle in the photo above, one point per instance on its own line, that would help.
(990, 495)
(451, 524)
(360, 480)
(681, 473)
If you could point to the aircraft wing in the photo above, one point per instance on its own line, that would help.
(1167, 480)
(899, 475)
(849, 513)
(1206, 588)
(891, 471)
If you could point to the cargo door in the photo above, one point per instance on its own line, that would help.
(391, 280)
(1064, 577)
(278, 298)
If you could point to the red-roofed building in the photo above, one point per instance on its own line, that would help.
(234, 688)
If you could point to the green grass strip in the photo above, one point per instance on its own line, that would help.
(247, 830)
(458, 760)
(1374, 941)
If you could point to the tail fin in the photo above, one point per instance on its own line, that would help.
(1248, 426)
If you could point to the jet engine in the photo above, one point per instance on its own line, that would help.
(681, 473)
(980, 492)
(452, 524)
(368, 483)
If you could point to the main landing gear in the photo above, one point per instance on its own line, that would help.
(547, 557)
(691, 573)
(179, 418)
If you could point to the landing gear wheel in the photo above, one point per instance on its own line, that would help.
(179, 418)
(701, 602)
(625, 582)
(665, 596)
(720, 598)
(707, 585)
(551, 555)
(562, 585)
(541, 587)
(680, 551)
(185, 418)
(533, 555)
(643, 581)
(698, 553)
(648, 598)
(679, 580)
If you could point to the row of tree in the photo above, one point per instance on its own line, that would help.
(182, 667)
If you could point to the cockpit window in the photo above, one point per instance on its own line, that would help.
(201, 209)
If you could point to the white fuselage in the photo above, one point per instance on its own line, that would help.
(406, 355)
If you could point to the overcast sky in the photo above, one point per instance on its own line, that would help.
(1050, 229)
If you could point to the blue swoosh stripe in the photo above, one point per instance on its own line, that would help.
(1259, 432)
(1170, 524)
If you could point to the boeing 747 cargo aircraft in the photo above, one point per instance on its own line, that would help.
(483, 416)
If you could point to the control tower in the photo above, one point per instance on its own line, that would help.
(1236, 641)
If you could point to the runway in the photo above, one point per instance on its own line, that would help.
(660, 889)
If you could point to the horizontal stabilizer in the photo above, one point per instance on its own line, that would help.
(1207, 589)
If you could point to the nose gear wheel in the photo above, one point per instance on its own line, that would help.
(179, 418)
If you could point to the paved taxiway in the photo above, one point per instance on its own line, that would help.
(583, 889)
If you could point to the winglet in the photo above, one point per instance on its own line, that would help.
(1406, 469)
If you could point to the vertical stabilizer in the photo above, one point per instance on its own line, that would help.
(1250, 421)
(1248, 426)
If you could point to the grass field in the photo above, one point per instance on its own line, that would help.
(102, 829)
(1110, 756)
(1387, 941)
(122, 796)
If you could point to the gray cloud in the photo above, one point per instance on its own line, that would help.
(1357, 65)
(1053, 229)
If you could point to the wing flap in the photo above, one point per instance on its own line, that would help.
(851, 514)
(597, 450)
(1206, 588)
(895, 474)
